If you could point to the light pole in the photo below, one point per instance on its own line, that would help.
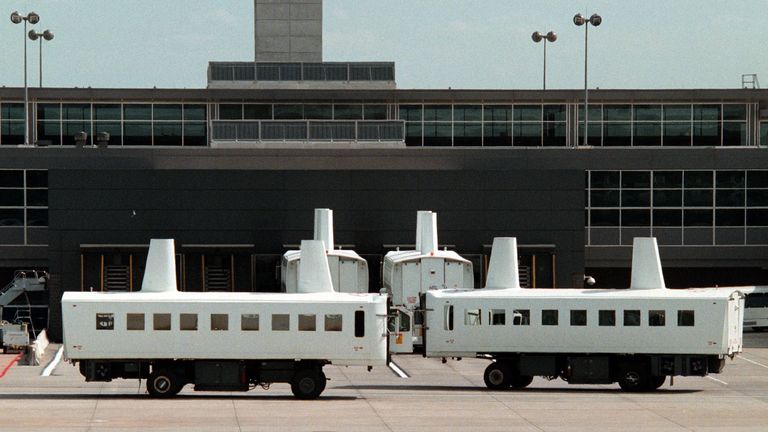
(33, 19)
(46, 35)
(579, 20)
(538, 37)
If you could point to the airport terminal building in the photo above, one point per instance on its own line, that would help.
(233, 172)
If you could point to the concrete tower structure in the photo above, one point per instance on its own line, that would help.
(289, 30)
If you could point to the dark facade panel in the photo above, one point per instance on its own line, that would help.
(201, 207)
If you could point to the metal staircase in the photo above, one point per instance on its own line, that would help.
(217, 279)
(23, 281)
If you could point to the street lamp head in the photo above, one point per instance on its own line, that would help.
(33, 35)
(596, 20)
(33, 18)
(48, 35)
(579, 19)
(537, 37)
(16, 18)
(551, 36)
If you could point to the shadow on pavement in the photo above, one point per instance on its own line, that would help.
(661, 391)
(62, 396)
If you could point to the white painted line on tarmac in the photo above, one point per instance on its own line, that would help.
(55, 362)
(717, 380)
(396, 369)
(752, 361)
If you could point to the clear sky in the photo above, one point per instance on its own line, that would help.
(435, 43)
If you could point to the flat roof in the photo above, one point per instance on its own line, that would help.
(389, 96)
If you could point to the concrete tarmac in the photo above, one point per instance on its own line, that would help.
(439, 397)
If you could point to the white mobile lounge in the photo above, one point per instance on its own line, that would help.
(224, 341)
(636, 337)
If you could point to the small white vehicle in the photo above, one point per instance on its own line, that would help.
(223, 341)
(636, 337)
(349, 271)
(756, 308)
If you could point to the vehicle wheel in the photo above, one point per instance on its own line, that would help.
(633, 378)
(163, 384)
(656, 382)
(308, 384)
(520, 381)
(497, 376)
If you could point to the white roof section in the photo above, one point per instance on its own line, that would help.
(503, 271)
(160, 271)
(586, 293)
(295, 255)
(646, 265)
(315, 276)
(405, 256)
(219, 297)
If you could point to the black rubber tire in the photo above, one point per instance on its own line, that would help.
(654, 383)
(497, 376)
(307, 384)
(634, 378)
(163, 384)
(520, 381)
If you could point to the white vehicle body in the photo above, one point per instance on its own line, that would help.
(716, 315)
(84, 339)
(409, 274)
(636, 337)
(349, 271)
(224, 341)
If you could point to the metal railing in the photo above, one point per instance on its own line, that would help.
(308, 130)
(331, 71)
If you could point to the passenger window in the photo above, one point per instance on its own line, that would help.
(685, 318)
(579, 318)
(448, 325)
(498, 317)
(359, 324)
(521, 317)
(188, 322)
(307, 322)
(219, 322)
(656, 318)
(134, 321)
(333, 322)
(105, 321)
(472, 317)
(549, 317)
(607, 318)
(249, 322)
(405, 323)
(631, 318)
(161, 321)
(281, 322)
